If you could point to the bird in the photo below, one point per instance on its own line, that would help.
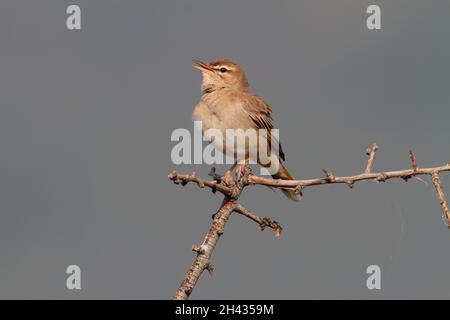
(228, 103)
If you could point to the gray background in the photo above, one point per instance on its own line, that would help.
(85, 124)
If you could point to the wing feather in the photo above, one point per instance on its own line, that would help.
(260, 113)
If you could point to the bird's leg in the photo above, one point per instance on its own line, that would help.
(227, 178)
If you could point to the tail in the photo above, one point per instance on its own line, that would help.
(284, 174)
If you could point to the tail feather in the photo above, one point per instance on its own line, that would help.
(284, 174)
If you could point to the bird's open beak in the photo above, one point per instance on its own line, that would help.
(197, 64)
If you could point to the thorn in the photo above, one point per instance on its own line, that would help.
(381, 177)
(265, 222)
(172, 175)
(198, 249)
(210, 268)
(201, 183)
(278, 229)
(374, 147)
(330, 176)
(413, 160)
(298, 190)
(278, 232)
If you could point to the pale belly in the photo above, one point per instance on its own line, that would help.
(232, 133)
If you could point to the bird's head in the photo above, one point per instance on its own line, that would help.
(220, 74)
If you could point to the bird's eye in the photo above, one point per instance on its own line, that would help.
(223, 70)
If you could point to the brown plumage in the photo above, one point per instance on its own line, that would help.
(227, 103)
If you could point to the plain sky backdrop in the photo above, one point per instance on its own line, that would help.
(85, 124)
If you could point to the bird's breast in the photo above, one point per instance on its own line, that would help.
(221, 112)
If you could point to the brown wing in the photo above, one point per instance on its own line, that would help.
(260, 113)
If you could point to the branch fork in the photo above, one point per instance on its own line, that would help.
(244, 177)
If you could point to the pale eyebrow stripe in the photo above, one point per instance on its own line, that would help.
(221, 66)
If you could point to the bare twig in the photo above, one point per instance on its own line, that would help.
(371, 152)
(263, 222)
(438, 185)
(413, 159)
(233, 189)
(376, 176)
(183, 179)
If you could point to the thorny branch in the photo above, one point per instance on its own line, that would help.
(244, 177)
(438, 185)
(263, 222)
